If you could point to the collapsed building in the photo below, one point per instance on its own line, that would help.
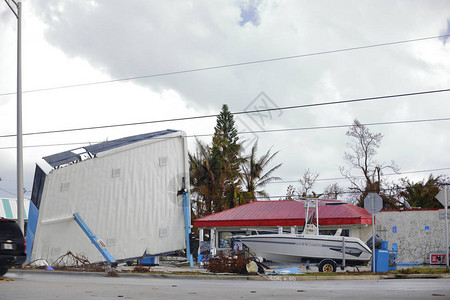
(130, 195)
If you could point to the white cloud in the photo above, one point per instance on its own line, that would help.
(72, 42)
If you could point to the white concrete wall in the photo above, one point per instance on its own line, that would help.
(362, 232)
(415, 243)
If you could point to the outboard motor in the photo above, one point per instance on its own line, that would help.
(378, 242)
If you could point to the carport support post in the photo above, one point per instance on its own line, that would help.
(200, 240)
(212, 241)
(187, 226)
(343, 252)
(317, 216)
(373, 234)
(446, 224)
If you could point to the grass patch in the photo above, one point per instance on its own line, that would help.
(422, 270)
(412, 270)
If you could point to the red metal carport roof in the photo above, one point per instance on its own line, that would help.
(285, 213)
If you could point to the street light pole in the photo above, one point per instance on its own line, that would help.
(20, 200)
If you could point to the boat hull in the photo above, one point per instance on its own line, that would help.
(299, 248)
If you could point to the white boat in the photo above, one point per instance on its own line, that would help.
(308, 247)
(302, 248)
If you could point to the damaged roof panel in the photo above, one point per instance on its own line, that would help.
(100, 147)
(62, 158)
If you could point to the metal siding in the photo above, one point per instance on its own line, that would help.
(8, 208)
(127, 211)
(2, 211)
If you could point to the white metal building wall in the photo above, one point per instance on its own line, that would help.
(127, 196)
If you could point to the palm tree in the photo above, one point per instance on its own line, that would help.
(253, 174)
(203, 180)
(422, 193)
(219, 172)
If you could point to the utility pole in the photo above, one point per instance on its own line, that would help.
(17, 11)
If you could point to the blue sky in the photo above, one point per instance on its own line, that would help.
(249, 13)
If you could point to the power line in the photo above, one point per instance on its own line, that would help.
(238, 113)
(50, 145)
(296, 197)
(7, 192)
(253, 132)
(345, 126)
(344, 178)
(239, 64)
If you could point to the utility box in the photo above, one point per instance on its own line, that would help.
(381, 260)
(385, 260)
(393, 257)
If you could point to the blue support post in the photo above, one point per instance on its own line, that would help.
(98, 243)
(187, 226)
(33, 215)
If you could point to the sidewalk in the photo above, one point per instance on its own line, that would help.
(185, 272)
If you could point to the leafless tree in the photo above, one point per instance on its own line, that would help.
(291, 193)
(363, 172)
(332, 191)
(307, 183)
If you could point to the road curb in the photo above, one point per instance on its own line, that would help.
(237, 277)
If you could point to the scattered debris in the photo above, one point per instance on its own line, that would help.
(72, 262)
(7, 279)
(38, 264)
(112, 274)
(130, 262)
(67, 262)
(141, 269)
(231, 262)
(252, 268)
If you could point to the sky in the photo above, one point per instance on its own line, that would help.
(96, 63)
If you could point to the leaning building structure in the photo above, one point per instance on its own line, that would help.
(128, 191)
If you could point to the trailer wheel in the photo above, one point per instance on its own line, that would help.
(327, 266)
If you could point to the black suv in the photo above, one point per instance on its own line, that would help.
(12, 246)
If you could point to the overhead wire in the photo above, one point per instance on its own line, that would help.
(344, 178)
(296, 197)
(236, 113)
(3, 190)
(251, 132)
(342, 192)
(242, 112)
(239, 64)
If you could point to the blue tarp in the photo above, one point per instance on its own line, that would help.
(285, 271)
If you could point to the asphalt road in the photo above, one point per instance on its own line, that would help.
(68, 286)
